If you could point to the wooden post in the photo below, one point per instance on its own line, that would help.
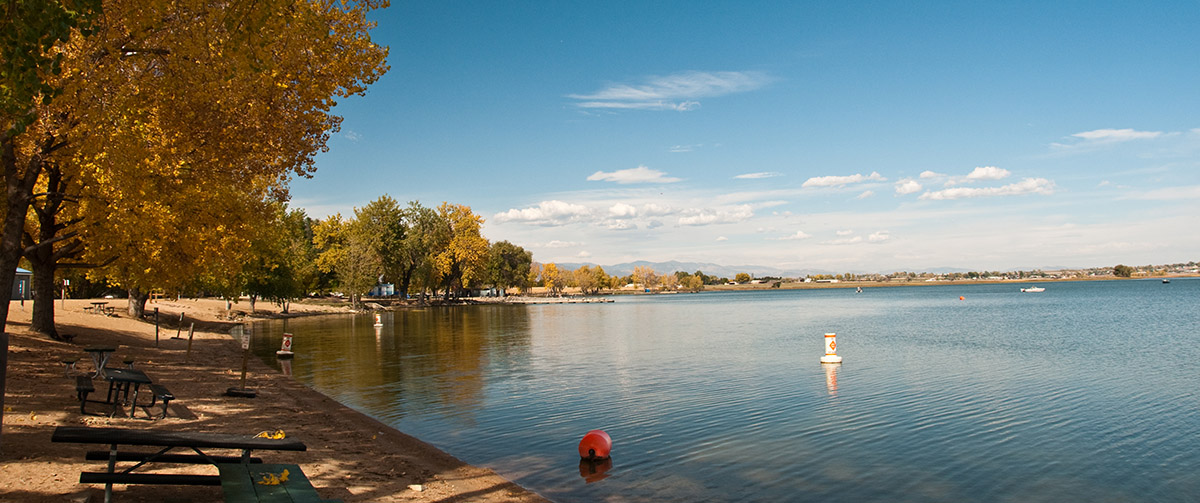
(156, 327)
(179, 330)
(191, 330)
(245, 356)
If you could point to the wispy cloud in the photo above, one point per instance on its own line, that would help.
(838, 181)
(708, 216)
(865, 194)
(930, 174)
(678, 92)
(640, 174)
(561, 244)
(546, 213)
(684, 148)
(351, 135)
(722, 238)
(792, 237)
(879, 237)
(1026, 186)
(1191, 192)
(1105, 137)
(845, 232)
(755, 176)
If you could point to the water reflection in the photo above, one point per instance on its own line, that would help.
(831, 376)
(442, 364)
(594, 470)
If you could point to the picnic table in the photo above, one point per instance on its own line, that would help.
(101, 307)
(124, 438)
(120, 380)
(100, 356)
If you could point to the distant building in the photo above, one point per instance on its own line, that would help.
(383, 290)
(22, 285)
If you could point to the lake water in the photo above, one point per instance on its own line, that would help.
(1089, 391)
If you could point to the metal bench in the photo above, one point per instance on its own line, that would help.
(83, 386)
(158, 392)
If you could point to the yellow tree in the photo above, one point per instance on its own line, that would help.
(553, 279)
(464, 258)
(182, 119)
(644, 275)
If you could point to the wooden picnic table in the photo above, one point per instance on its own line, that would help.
(116, 438)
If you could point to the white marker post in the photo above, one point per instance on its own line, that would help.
(831, 350)
(378, 320)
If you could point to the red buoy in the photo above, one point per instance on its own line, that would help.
(596, 444)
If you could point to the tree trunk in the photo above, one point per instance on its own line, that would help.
(19, 190)
(253, 300)
(43, 293)
(137, 302)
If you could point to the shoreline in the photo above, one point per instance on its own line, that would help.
(350, 456)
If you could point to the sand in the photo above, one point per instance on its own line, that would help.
(350, 456)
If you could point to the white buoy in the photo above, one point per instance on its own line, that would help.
(285, 351)
(378, 320)
(831, 350)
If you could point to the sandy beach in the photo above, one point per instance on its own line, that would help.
(350, 456)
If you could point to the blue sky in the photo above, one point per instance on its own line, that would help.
(868, 137)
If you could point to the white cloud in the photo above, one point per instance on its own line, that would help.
(722, 238)
(672, 92)
(1100, 137)
(796, 236)
(930, 174)
(878, 237)
(716, 216)
(1115, 135)
(865, 194)
(545, 213)
(988, 173)
(561, 244)
(351, 135)
(584, 254)
(622, 210)
(685, 148)
(846, 232)
(640, 174)
(908, 186)
(844, 241)
(1026, 186)
(755, 176)
(838, 181)
(656, 210)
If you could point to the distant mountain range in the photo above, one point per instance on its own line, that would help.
(758, 271)
(710, 269)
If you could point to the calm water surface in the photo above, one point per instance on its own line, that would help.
(1086, 392)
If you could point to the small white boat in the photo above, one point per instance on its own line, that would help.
(1166, 281)
(1033, 289)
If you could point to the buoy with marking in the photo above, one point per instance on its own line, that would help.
(960, 297)
(378, 320)
(596, 444)
(831, 350)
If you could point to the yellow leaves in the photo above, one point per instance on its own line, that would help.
(271, 479)
(275, 435)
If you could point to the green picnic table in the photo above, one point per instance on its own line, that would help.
(251, 483)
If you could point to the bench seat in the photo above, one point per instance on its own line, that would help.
(83, 386)
(160, 392)
(149, 478)
(194, 459)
